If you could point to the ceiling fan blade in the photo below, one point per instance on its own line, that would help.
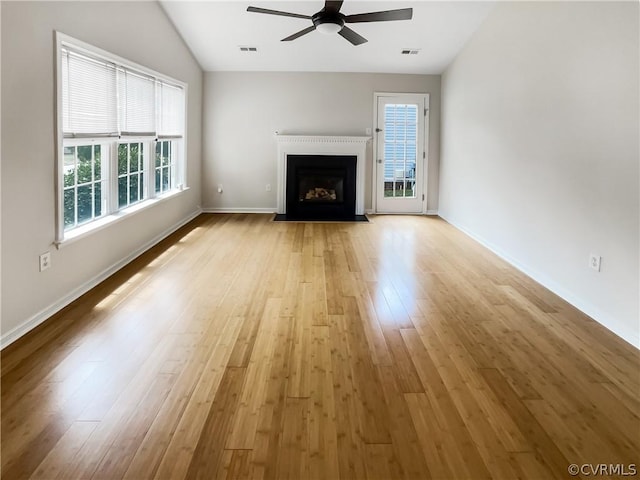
(352, 36)
(277, 12)
(299, 34)
(332, 6)
(386, 16)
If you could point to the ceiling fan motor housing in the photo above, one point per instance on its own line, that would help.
(324, 17)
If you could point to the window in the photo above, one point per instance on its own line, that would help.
(400, 149)
(130, 173)
(165, 165)
(121, 134)
(83, 184)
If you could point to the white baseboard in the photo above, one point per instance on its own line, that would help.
(428, 212)
(17, 332)
(239, 210)
(622, 331)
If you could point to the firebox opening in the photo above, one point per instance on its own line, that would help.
(320, 188)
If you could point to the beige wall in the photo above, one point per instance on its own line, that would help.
(243, 110)
(540, 146)
(138, 31)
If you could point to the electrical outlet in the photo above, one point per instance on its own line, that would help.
(594, 261)
(367, 131)
(268, 187)
(219, 188)
(45, 261)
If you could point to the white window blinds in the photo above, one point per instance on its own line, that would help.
(171, 100)
(101, 98)
(89, 96)
(137, 104)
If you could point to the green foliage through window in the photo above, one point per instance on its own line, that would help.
(164, 166)
(86, 180)
(82, 184)
(130, 173)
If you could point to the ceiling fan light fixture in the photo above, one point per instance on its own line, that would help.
(329, 28)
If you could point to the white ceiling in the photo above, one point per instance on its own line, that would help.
(214, 31)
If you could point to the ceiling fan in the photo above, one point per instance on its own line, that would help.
(329, 20)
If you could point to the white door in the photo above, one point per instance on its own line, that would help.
(400, 153)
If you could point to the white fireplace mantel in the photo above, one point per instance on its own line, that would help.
(321, 145)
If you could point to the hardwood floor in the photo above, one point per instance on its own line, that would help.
(239, 348)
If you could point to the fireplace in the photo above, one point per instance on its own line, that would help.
(345, 178)
(321, 187)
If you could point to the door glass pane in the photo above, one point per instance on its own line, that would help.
(400, 150)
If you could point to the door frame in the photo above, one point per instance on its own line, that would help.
(425, 160)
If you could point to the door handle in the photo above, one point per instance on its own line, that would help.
(379, 160)
(378, 130)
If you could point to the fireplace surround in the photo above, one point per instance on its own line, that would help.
(325, 149)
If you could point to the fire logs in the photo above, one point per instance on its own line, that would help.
(320, 194)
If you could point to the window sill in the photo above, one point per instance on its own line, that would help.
(103, 222)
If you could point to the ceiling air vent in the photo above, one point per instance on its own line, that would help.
(248, 49)
(410, 51)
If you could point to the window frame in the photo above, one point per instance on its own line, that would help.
(111, 211)
(146, 145)
(105, 150)
(171, 167)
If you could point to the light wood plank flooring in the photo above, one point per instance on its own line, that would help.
(243, 348)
